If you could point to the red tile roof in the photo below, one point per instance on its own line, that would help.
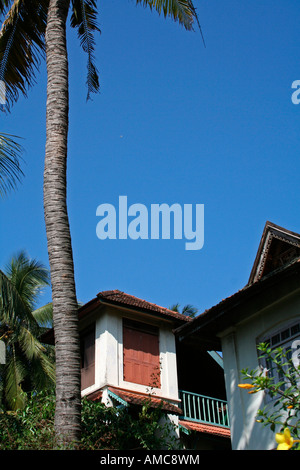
(136, 398)
(121, 298)
(206, 428)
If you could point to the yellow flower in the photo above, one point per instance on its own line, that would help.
(245, 385)
(284, 440)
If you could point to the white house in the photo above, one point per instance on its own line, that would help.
(266, 309)
(126, 347)
(129, 354)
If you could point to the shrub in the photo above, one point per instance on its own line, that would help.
(103, 427)
(30, 428)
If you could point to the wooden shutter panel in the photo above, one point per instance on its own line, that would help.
(88, 358)
(141, 354)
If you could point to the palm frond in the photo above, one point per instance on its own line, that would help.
(20, 286)
(11, 303)
(10, 169)
(15, 375)
(22, 45)
(44, 316)
(4, 4)
(189, 310)
(28, 276)
(30, 365)
(30, 345)
(41, 366)
(182, 11)
(175, 308)
(43, 371)
(84, 18)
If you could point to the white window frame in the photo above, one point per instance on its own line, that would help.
(286, 336)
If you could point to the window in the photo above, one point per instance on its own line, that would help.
(287, 338)
(87, 351)
(141, 353)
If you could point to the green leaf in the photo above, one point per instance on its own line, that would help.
(22, 45)
(84, 19)
(10, 157)
(29, 364)
(182, 11)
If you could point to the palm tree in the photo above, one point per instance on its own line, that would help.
(10, 170)
(29, 364)
(187, 310)
(32, 28)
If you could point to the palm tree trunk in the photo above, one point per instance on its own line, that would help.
(65, 310)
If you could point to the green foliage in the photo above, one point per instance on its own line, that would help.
(188, 310)
(283, 411)
(103, 428)
(10, 169)
(124, 428)
(29, 363)
(30, 428)
(22, 45)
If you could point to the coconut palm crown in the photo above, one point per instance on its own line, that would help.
(22, 36)
(29, 364)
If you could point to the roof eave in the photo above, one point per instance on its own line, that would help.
(213, 321)
(168, 318)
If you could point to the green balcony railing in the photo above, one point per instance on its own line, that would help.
(204, 409)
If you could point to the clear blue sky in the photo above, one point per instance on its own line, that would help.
(174, 122)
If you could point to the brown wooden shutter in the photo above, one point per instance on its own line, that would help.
(141, 353)
(87, 343)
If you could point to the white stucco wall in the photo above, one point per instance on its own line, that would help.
(240, 352)
(109, 355)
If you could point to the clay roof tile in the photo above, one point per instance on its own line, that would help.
(121, 298)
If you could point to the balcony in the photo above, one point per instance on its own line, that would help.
(204, 409)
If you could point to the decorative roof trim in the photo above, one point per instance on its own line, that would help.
(271, 231)
(116, 397)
